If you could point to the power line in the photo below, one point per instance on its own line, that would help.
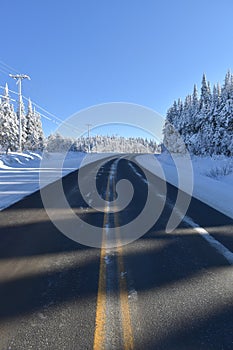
(9, 67)
(53, 118)
(3, 71)
(35, 104)
(14, 92)
(56, 120)
(64, 123)
(4, 68)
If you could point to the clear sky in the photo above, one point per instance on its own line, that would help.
(84, 52)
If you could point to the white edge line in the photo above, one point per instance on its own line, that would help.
(219, 247)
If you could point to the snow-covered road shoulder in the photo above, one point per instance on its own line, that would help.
(20, 172)
(212, 178)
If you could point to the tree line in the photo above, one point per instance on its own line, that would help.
(204, 123)
(101, 143)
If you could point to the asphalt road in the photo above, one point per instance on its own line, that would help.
(163, 291)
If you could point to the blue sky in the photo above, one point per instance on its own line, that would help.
(81, 53)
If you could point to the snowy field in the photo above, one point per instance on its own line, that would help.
(19, 173)
(212, 178)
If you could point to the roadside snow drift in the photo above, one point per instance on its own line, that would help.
(212, 178)
(20, 172)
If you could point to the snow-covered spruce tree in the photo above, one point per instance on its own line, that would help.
(30, 127)
(178, 117)
(205, 98)
(185, 125)
(202, 120)
(172, 140)
(178, 124)
(226, 88)
(58, 143)
(23, 125)
(34, 131)
(195, 107)
(190, 139)
(225, 120)
(172, 113)
(8, 124)
(214, 145)
(206, 126)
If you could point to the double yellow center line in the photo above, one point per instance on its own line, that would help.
(101, 310)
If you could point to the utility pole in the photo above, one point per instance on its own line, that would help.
(88, 135)
(19, 78)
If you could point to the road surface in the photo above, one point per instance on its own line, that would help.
(163, 291)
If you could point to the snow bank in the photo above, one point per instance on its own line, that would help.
(20, 172)
(212, 182)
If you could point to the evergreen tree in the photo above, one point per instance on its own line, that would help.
(193, 115)
(226, 118)
(30, 128)
(8, 123)
(205, 123)
(226, 87)
(172, 140)
(205, 98)
(185, 127)
(39, 142)
(195, 100)
(34, 132)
